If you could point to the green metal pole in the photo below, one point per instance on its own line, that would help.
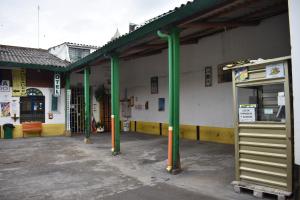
(67, 87)
(115, 100)
(176, 97)
(87, 104)
(170, 60)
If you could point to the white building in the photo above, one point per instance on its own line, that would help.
(71, 51)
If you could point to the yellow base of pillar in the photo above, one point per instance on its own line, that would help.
(87, 141)
(169, 168)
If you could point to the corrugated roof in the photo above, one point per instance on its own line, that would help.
(36, 58)
(150, 26)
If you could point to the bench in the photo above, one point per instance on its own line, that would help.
(32, 127)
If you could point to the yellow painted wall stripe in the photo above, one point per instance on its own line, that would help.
(47, 130)
(210, 134)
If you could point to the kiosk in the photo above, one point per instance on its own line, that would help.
(263, 120)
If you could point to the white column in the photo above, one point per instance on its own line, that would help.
(294, 16)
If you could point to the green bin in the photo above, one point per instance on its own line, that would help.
(8, 131)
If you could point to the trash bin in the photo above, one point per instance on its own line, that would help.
(8, 131)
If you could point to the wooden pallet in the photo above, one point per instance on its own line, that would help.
(260, 191)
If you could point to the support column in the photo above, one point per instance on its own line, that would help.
(67, 108)
(87, 106)
(174, 96)
(115, 104)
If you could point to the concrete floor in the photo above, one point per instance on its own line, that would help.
(66, 168)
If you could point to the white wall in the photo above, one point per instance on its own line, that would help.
(58, 116)
(294, 9)
(61, 51)
(200, 105)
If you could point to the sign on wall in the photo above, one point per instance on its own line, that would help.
(15, 108)
(19, 82)
(4, 86)
(5, 109)
(154, 85)
(208, 76)
(247, 113)
(56, 84)
(275, 70)
(68, 110)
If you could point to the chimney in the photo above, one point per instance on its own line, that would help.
(132, 27)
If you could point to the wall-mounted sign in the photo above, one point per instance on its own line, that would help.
(154, 85)
(56, 85)
(5, 109)
(247, 113)
(208, 76)
(275, 70)
(4, 86)
(19, 82)
(281, 99)
(241, 74)
(68, 110)
(161, 104)
(15, 108)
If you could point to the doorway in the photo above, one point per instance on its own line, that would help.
(105, 112)
(77, 110)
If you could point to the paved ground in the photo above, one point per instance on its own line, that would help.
(66, 168)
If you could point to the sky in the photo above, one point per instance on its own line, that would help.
(91, 22)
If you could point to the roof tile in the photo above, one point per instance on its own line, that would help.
(26, 55)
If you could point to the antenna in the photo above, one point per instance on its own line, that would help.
(38, 26)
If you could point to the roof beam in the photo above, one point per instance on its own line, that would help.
(222, 10)
(218, 24)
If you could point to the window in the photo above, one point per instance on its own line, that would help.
(261, 103)
(77, 53)
(32, 108)
(224, 76)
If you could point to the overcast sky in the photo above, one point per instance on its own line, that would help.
(91, 22)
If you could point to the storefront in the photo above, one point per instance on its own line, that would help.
(32, 92)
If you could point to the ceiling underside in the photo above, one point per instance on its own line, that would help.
(230, 15)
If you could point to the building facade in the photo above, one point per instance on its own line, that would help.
(27, 81)
(72, 52)
(166, 77)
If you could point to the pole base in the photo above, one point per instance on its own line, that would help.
(173, 171)
(115, 153)
(176, 171)
(169, 169)
(87, 141)
(68, 133)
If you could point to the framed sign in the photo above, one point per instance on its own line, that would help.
(154, 85)
(208, 76)
(4, 86)
(68, 110)
(161, 104)
(56, 84)
(19, 82)
(275, 70)
(241, 74)
(5, 109)
(247, 113)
